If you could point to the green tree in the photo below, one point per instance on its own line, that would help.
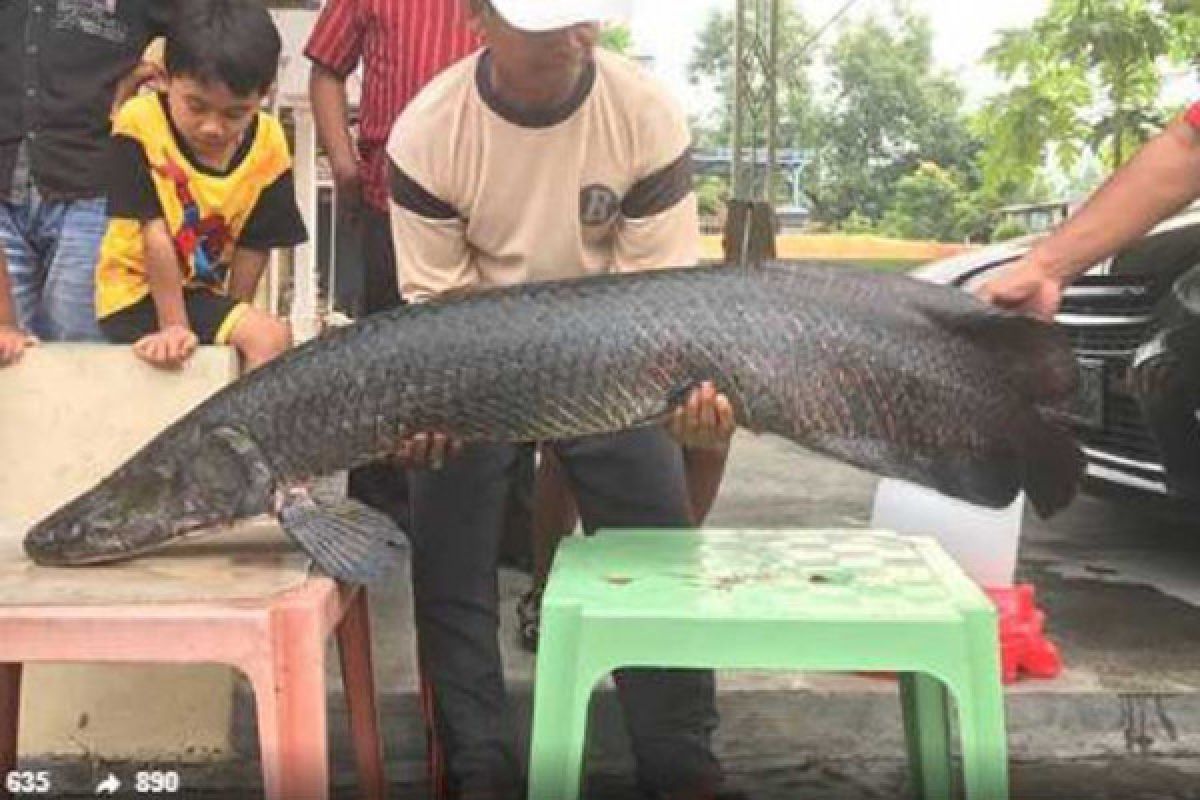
(617, 38)
(711, 194)
(1009, 229)
(857, 223)
(884, 111)
(890, 110)
(935, 203)
(1086, 78)
(924, 205)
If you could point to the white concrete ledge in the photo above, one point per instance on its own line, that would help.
(69, 414)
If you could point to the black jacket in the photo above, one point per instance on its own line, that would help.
(60, 61)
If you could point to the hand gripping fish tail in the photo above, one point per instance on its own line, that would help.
(903, 378)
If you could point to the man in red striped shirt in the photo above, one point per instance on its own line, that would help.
(402, 44)
(1159, 181)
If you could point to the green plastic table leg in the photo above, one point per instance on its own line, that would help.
(980, 700)
(927, 733)
(562, 689)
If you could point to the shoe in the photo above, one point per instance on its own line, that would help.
(529, 618)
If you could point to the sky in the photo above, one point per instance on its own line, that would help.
(963, 31)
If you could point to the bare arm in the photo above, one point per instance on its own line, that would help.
(174, 341)
(245, 271)
(163, 275)
(705, 468)
(147, 73)
(327, 91)
(13, 340)
(1160, 180)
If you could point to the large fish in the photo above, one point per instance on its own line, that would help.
(903, 378)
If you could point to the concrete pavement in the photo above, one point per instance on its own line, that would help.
(1121, 587)
(1120, 584)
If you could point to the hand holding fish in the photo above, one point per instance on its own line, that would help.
(427, 450)
(705, 419)
(168, 348)
(1026, 286)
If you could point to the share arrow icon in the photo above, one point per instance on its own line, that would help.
(109, 785)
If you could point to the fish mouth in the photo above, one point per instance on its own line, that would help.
(58, 558)
(47, 549)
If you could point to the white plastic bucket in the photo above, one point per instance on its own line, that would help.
(983, 541)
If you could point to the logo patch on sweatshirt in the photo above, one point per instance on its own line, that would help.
(598, 205)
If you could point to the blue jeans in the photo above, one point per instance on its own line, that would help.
(52, 247)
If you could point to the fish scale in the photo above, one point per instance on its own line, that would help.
(904, 378)
(474, 368)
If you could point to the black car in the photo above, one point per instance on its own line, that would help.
(1134, 321)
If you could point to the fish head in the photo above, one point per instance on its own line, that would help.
(136, 508)
(154, 498)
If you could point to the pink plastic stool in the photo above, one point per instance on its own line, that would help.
(277, 642)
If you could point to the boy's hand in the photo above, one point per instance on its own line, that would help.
(168, 348)
(13, 342)
(427, 450)
(704, 420)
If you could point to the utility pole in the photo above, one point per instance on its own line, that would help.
(750, 229)
(755, 97)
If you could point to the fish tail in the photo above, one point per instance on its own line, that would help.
(1040, 367)
(1053, 465)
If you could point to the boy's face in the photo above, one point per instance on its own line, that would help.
(210, 117)
(546, 63)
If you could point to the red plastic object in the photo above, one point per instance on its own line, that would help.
(1024, 648)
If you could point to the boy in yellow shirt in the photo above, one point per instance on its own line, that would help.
(200, 191)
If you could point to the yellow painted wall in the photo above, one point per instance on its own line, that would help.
(841, 247)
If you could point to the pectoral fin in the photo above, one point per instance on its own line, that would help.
(673, 400)
(349, 541)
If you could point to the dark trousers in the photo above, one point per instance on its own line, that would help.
(380, 287)
(382, 485)
(627, 480)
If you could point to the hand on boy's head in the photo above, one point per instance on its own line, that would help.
(168, 348)
(13, 342)
(705, 419)
(146, 75)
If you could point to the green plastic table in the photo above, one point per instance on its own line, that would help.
(839, 600)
